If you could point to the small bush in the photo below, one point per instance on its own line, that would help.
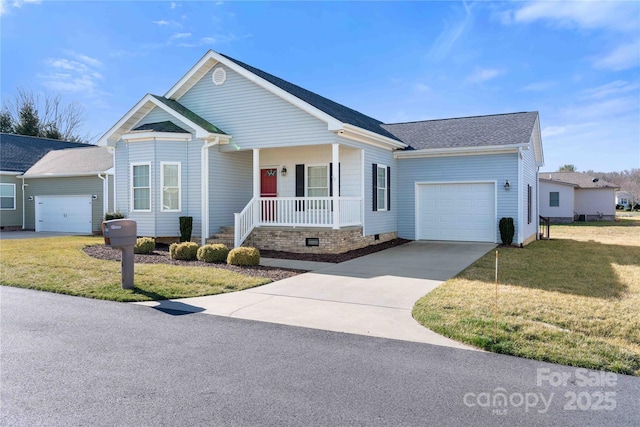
(113, 215)
(144, 245)
(185, 251)
(213, 253)
(244, 256)
(186, 226)
(507, 230)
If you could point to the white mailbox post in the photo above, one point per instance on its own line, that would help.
(122, 233)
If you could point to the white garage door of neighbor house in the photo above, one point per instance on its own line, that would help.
(456, 211)
(66, 214)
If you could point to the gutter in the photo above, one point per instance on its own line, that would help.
(204, 188)
(459, 151)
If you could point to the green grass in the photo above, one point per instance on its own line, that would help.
(59, 265)
(571, 300)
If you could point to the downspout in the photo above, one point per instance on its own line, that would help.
(520, 189)
(23, 204)
(105, 193)
(204, 188)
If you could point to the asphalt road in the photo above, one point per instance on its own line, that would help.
(74, 361)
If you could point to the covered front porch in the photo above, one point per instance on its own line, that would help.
(318, 186)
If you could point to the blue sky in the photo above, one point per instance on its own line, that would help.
(577, 63)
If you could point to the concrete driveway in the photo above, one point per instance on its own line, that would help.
(372, 295)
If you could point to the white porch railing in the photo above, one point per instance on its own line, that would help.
(295, 212)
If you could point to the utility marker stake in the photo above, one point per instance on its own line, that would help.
(495, 311)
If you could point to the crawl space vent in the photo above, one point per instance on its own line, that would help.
(219, 76)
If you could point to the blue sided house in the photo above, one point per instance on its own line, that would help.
(256, 160)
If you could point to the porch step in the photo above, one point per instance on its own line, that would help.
(226, 236)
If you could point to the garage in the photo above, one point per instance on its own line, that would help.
(65, 214)
(462, 211)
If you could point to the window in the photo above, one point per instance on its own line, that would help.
(554, 198)
(381, 187)
(141, 186)
(318, 181)
(529, 204)
(170, 187)
(8, 196)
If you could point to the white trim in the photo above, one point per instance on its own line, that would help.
(15, 197)
(65, 175)
(11, 173)
(162, 186)
(306, 178)
(363, 192)
(459, 151)
(386, 190)
(204, 189)
(335, 184)
(131, 188)
(362, 135)
(520, 188)
(417, 202)
(139, 136)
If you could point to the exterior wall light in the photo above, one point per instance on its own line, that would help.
(507, 186)
(94, 197)
(284, 171)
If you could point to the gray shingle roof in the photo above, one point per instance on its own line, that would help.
(332, 108)
(498, 129)
(581, 179)
(162, 127)
(185, 112)
(73, 161)
(19, 152)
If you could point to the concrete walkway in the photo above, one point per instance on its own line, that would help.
(372, 295)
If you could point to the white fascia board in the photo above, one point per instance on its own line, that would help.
(104, 140)
(537, 143)
(64, 175)
(332, 123)
(358, 134)
(550, 181)
(459, 151)
(156, 136)
(10, 173)
(178, 89)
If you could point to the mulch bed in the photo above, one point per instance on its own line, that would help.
(161, 256)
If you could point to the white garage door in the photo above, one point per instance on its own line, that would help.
(67, 214)
(460, 212)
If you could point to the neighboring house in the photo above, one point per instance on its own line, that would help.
(624, 199)
(572, 196)
(17, 154)
(70, 190)
(280, 167)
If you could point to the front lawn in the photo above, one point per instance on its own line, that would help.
(572, 300)
(59, 265)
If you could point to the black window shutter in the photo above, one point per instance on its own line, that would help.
(330, 179)
(339, 180)
(300, 186)
(388, 188)
(529, 204)
(374, 181)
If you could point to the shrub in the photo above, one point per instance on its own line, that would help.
(185, 251)
(507, 230)
(113, 215)
(213, 253)
(144, 245)
(186, 226)
(244, 256)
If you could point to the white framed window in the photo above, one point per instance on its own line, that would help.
(171, 183)
(317, 180)
(141, 187)
(381, 188)
(7, 196)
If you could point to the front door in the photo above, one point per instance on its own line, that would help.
(269, 188)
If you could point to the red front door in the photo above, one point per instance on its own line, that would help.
(268, 188)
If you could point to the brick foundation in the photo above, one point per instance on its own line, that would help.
(331, 241)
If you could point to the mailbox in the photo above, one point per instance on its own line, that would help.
(122, 233)
(119, 232)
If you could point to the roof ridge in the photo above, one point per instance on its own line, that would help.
(462, 117)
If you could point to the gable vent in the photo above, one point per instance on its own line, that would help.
(219, 76)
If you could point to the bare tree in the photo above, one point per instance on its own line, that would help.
(44, 115)
(627, 180)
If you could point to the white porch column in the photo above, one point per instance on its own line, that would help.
(256, 173)
(335, 159)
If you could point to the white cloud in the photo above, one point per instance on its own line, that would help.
(4, 4)
(484, 74)
(617, 87)
(161, 22)
(538, 86)
(450, 35)
(173, 5)
(621, 58)
(588, 14)
(75, 73)
(180, 36)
